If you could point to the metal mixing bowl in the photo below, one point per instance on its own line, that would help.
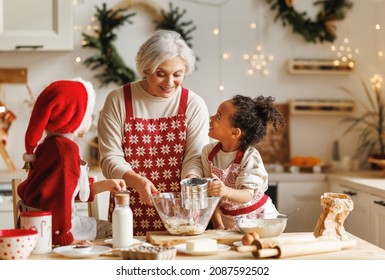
(265, 224)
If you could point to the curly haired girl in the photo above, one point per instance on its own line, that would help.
(238, 125)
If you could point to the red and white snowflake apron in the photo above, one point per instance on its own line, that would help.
(229, 175)
(155, 149)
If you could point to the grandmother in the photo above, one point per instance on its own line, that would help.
(152, 131)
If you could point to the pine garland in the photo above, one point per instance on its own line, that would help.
(319, 30)
(108, 58)
(171, 20)
(114, 70)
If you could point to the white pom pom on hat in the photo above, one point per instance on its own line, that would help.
(62, 107)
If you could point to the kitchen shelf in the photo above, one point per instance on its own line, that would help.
(321, 107)
(319, 66)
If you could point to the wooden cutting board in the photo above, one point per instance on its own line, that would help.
(163, 238)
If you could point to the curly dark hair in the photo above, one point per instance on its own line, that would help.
(252, 117)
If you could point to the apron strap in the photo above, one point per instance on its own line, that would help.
(217, 147)
(183, 102)
(214, 151)
(239, 156)
(128, 100)
(246, 210)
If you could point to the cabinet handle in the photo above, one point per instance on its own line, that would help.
(34, 47)
(350, 193)
(379, 202)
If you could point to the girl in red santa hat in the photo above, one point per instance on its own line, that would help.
(58, 175)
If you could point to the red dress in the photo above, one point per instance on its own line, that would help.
(154, 148)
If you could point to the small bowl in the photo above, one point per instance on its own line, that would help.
(82, 249)
(17, 244)
(265, 224)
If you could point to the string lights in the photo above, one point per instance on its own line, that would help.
(78, 28)
(344, 54)
(376, 80)
(257, 61)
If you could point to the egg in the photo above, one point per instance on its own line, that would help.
(249, 238)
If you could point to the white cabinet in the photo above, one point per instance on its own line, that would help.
(303, 195)
(6, 210)
(377, 208)
(44, 25)
(358, 220)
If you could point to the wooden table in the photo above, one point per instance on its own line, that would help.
(362, 251)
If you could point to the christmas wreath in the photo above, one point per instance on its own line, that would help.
(114, 70)
(319, 30)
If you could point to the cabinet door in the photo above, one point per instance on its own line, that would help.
(378, 220)
(6, 211)
(305, 196)
(36, 25)
(358, 220)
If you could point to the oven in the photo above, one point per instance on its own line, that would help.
(272, 192)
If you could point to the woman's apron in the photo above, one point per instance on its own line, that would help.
(154, 148)
(230, 209)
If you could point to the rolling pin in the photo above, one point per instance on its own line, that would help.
(297, 249)
(271, 242)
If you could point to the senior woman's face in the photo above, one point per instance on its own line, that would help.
(166, 78)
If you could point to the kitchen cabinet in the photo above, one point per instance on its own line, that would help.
(6, 208)
(40, 25)
(305, 195)
(377, 209)
(358, 220)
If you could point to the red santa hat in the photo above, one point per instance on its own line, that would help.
(63, 107)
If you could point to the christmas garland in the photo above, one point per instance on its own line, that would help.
(319, 30)
(114, 70)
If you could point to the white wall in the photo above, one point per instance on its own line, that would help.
(309, 135)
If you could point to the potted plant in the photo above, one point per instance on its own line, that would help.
(369, 125)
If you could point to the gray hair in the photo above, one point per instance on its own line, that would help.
(161, 46)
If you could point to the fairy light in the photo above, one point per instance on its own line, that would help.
(216, 31)
(258, 61)
(344, 53)
(378, 28)
(78, 59)
(376, 82)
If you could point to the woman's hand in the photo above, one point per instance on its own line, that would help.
(142, 185)
(145, 189)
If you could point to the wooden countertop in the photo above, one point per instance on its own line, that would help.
(362, 251)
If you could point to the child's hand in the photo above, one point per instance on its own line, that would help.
(81, 242)
(112, 185)
(116, 185)
(216, 187)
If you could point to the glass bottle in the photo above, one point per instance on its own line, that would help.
(122, 224)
